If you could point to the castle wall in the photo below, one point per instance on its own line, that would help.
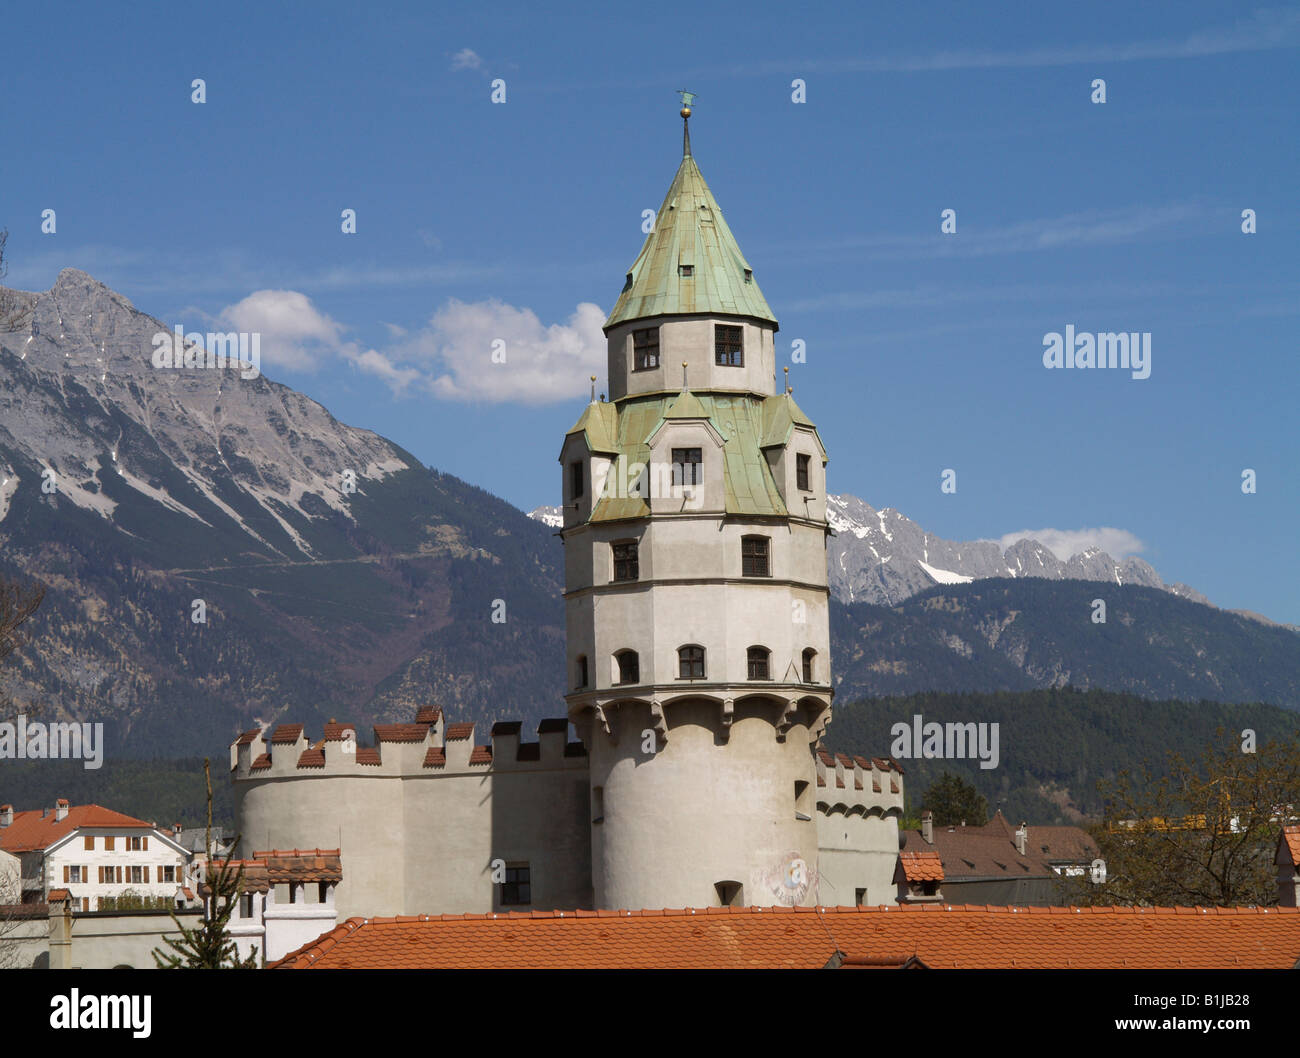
(859, 802)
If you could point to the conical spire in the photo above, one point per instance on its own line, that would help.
(690, 263)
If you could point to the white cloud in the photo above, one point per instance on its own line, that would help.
(466, 59)
(1066, 543)
(541, 363)
(376, 363)
(294, 334)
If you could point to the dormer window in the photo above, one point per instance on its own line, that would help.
(686, 271)
(686, 466)
(749, 275)
(645, 349)
(728, 345)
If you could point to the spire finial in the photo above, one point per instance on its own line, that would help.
(593, 389)
(788, 390)
(687, 99)
(684, 385)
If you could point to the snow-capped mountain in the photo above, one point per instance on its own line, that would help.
(883, 557)
(548, 515)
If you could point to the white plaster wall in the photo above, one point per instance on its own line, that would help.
(690, 338)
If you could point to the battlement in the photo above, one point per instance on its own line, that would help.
(427, 746)
(853, 784)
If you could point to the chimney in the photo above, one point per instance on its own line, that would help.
(1022, 838)
(6, 815)
(60, 809)
(176, 831)
(927, 827)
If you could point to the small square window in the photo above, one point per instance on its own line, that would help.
(728, 345)
(517, 888)
(755, 556)
(686, 271)
(645, 349)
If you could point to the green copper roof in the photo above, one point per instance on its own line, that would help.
(690, 234)
(599, 422)
(747, 423)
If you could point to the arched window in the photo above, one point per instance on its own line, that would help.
(629, 666)
(759, 669)
(809, 657)
(690, 662)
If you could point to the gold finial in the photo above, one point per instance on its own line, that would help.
(593, 389)
(788, 390)
(684, 386)
(687, 99)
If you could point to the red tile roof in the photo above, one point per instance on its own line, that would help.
(368, 756)
(263, 761)
(456, 732)
(30, 831)
(286, 733)
(248, 736)
(400, 732)
(435, 758)
(920, 867)
(301, 865)
(334, 731)
(942, 937)
(428, 714)
(1290, 837)
(311, 758)
(481, 755)
(59, 894)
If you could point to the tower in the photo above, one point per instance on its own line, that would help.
(695, 583)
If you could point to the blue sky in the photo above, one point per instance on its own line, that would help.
(478, 220)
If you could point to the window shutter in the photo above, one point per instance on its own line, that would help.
(146, 876)
(146, 843)
(119, 874)
(66, 868)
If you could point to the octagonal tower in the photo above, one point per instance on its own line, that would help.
(695, 584)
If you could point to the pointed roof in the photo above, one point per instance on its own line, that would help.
(690, 231)
(686, 406)
(599, 425)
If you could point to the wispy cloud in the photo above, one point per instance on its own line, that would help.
(466, 59)
(1066, 543)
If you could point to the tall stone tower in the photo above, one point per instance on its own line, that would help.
(695, 584)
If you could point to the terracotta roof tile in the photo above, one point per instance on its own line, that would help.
(368, 755)
(311, 758)
(334, 731)
(481, 755)
(248, 736)
(263, 761)
(1291, 838)
(400, 732)
(428, 714)
(459, 732)
(31, 831)
(435, 758)
(286, 733)
(301, 865)
(920, 866)
(939, 936)
(59, 894)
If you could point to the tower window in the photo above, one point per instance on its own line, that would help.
(517, 888)
(801, 472)
(690, 663)
(645, 348)
(582, 671)
(749, 275)
(730, 894)
(686, 271)
(758, 663)
(629, 666)
(686, 466)
(728, 345)
(577, 480)
(626, 566)
(755, 556)
(808, 656)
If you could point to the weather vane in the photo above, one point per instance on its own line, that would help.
(687, 99)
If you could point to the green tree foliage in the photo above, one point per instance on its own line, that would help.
(209, 946)
(1202, 830)
(955, 802)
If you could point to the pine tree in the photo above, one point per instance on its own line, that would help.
(955, 802)
(209, 946)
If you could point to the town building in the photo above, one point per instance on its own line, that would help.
(698, 654)
(101, 857)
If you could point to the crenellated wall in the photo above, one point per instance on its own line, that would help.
(859, 803)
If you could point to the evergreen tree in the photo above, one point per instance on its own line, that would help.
(953, 801)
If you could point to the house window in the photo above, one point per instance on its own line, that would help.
(133, 844)
(728, 345)
(645, 349)
(730, 894)
(322, 892)
(690, 663)
(859, 896)
(576, 480)
(629, 667)
(686, 466)
(754, 556)
(625, 561)
(808, 656)
(801, 472)
(169, 874)
(582, 670)
(90, 844)
(517, 888)
(74, 874)
(758, 663)
(135, 875)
